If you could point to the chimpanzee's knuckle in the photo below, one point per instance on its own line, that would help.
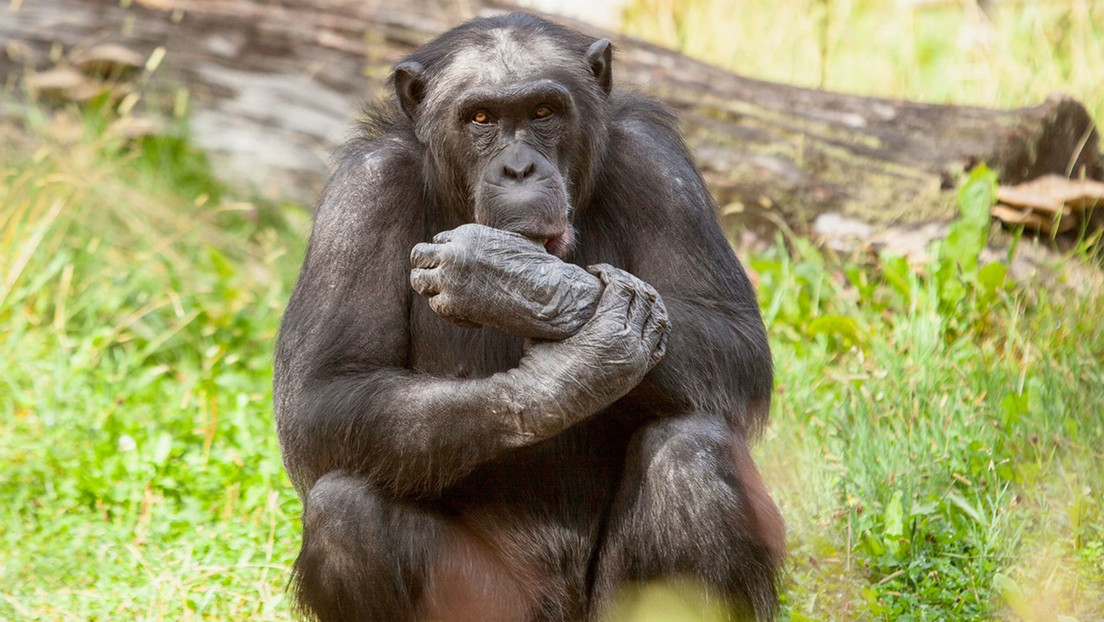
(619, 277)
(622, 286)
(444, 305)
(616, 325)
(633, 282)
(660, 308)
(423, 280)
(448, 253)
(608, 274)
(470, 234)
(658, 315)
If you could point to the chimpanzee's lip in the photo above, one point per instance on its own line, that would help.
(557, 245)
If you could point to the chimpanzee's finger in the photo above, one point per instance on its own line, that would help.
(661, 347)
(445, 306)
(616, 297)
(443, 237)
(656, 330)
(426, 282)
(425, 255)
(639, 309)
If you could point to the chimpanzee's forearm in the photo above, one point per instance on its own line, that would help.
(413, 434)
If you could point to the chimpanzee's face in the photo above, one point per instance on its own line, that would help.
(518, 176)
(504, 127)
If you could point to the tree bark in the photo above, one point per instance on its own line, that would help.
(273, 86)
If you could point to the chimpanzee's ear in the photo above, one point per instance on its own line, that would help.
(600, 58)
(409, 86)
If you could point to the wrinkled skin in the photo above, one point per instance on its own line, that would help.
(613, 326)
(479, 276)
(624, 339)
(522, 367)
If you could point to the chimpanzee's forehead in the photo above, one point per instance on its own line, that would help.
(503, 57)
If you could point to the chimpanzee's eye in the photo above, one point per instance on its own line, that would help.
(481, 117)
(542, 112)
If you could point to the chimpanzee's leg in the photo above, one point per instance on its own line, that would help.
(365, 558)
(692, 505)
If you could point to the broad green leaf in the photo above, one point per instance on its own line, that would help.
(977, 196)
(874, 544)
(894, 525)
(893, 513)
(897, 272)
(1013, 594)
(962, 504)
(991, 277)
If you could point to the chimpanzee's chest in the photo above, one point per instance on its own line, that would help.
(443, 349)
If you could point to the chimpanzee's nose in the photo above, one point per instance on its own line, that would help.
(519, 167)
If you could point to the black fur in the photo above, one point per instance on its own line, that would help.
(469, 473)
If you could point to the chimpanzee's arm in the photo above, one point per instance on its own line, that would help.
(718, 359)
(343, 396)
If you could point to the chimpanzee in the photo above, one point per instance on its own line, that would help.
(521, 367)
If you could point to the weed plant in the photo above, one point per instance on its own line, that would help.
(139, 470)
(936, 437)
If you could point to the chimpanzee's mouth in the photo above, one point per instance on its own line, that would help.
(558, 245)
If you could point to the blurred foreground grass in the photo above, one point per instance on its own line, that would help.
(937, 433)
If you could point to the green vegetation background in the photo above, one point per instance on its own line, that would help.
(937, 433)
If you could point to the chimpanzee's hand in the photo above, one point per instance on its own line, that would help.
(479, 276)
(608, 357)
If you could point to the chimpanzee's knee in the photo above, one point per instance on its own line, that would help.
(363, 557)
(692, 503)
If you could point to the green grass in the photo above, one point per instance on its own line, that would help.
(140, 475)
(937, 434)
(935, 445)
(936, 438)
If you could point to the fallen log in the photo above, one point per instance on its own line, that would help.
(272, 87)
